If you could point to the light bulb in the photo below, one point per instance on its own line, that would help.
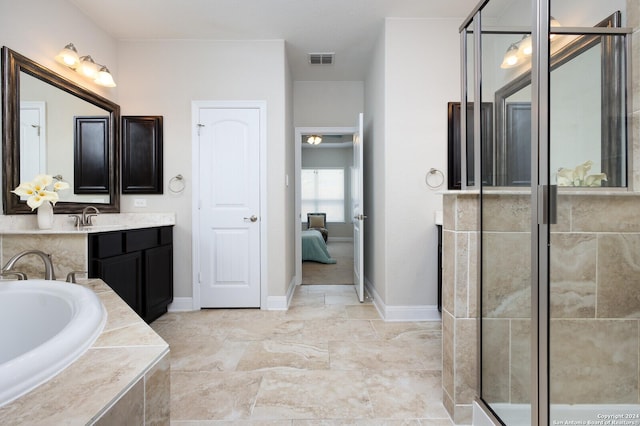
(68, 56)
(511, 58)
(88, 67)
(105, 78)
(525, 48)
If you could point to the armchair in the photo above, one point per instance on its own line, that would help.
(318, 221)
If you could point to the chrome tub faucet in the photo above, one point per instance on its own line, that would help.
(46, 258)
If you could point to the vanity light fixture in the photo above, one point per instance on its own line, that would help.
(520, 51)
(88, 67)
(314, 140)
(525, 48)
(105, 78)
(511, 58)
(85, 66)
(68, 56)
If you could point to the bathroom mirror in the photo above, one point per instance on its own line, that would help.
(587, 76)
(39, 112)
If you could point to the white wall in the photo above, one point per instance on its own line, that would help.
(417, 84)
(375, 206)
(162, 78)
(289, 178)
(327, 103)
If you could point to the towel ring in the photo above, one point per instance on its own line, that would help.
(176, 184)
(434, 178)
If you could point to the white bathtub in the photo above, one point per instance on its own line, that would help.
(44, 327)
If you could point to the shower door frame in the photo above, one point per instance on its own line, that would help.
(543, 194)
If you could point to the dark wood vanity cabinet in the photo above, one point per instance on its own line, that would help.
(138, 265)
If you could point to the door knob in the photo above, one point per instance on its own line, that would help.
(253, 218)
(360, 217)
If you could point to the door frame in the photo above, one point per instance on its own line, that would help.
(261, 106)
(299, 131)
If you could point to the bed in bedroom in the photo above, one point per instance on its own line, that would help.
(314, 248)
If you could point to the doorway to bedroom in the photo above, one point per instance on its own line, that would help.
(324, 199)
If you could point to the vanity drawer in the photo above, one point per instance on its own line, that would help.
(107, 244)
(141, 239)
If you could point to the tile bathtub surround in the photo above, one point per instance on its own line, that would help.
(328, 360)
(123, 376)
(594, 292)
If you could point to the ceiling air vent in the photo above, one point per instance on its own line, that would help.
(321, 58)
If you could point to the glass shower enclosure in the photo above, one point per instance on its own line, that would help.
(559, 218)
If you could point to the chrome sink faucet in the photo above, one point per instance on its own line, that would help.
(46, 258)
(84, 219)
(86, 216)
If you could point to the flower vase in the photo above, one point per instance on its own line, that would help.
(45, 215)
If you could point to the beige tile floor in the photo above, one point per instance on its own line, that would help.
(328, 360)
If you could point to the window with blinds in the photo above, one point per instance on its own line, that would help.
(322, 191)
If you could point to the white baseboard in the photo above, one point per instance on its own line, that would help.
(402, 313)
(281, 303)
(292, 289)
(276, 303)
(181, 304)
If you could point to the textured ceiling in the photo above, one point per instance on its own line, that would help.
(347, 27)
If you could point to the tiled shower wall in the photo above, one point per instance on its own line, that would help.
(459, 307)
(595, 299)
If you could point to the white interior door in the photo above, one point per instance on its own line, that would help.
(358, 206)
(229, 207)
(33, 132)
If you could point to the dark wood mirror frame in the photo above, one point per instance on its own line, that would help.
(613, 121)
(12, 64)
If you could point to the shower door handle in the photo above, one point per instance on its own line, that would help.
(549, 204)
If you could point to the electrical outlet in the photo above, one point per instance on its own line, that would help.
(139, 202)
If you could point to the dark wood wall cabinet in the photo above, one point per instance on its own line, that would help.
(141, 154)
(91, 151)
(138, 265)
(456, 144)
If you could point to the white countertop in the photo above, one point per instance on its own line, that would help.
(63, 224)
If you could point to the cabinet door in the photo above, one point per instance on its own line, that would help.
(123, 274)
(91, 150)
(158, 281)
(142, 155)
